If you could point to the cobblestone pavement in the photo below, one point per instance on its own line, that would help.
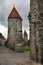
(8, 57)
(5, 50)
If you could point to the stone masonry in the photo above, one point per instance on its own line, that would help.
(14, 28)
(36, 30)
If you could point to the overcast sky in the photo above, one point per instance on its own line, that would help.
(22, 6)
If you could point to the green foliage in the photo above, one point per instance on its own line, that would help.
(26, 48)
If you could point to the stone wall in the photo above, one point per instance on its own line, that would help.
(36, 30)
(14, 31)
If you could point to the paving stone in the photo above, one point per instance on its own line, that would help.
(9, 57)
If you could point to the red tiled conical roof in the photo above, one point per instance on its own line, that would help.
(14, 14)
(25, 33)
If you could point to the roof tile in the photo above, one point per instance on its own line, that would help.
(14, 14)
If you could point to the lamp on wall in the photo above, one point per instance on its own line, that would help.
(29, 16)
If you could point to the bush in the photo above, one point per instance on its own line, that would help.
(26, 48)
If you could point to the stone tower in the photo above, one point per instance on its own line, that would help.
(14, 28)
(36, 30)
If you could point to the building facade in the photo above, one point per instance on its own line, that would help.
(14, 28)
(36, 30)
(2, 40)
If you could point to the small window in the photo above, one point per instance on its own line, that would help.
(20, 31)
(41, 14)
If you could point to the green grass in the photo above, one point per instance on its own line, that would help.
(26, 48)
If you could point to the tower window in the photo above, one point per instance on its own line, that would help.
(41, 14)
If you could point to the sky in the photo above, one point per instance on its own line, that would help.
(22, 6)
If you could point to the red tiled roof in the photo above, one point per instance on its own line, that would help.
(14, 14)
(2, 37)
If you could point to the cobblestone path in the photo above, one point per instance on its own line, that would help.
(9, 57)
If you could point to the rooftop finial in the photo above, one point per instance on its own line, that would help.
(14, 4)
